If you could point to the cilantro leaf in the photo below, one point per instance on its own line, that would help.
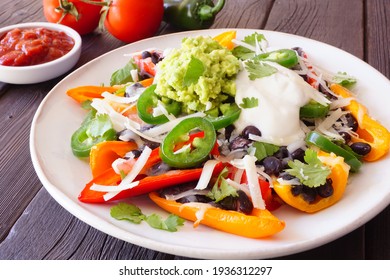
(221, 188)
(129, 212)
(123, 75)
(244, 53)
(258, 69)
(170, 224)
(194, 71)
(312, 173)
(342, 78)
(99, 125)
(264, 150)
(133, 214)
(249, 102)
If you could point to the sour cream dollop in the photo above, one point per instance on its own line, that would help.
(280, 97)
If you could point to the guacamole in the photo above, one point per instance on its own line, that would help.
(200, 74)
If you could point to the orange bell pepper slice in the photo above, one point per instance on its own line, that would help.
(260, 224)
(339, 175)
(370, 131)
(103, 154)
(225, 39)
(83, 93)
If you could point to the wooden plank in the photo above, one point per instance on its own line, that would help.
(333, 22)
(243, 14)
(378, 55)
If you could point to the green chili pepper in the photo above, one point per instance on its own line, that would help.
(148, 100)
(194, 150)
(327, 145)
(191, 14)
(93, 130)
(230, 113)
(313, 110)
(285, 57)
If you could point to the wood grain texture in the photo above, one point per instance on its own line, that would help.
(377, 54)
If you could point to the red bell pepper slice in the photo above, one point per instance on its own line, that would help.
(146, 184)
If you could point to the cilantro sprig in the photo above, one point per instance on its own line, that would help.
(312, 173)
(221, 189)
(133, 214)
(258, 69)
(249, 102)
(244, 53)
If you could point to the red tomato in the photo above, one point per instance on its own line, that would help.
(132, 20)
(88, 14)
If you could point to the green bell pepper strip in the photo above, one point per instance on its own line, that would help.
(148, 100)
(199, 149)
(230, 114)
(191, 14)
(285, 57)
(316, 139)
(313, 110)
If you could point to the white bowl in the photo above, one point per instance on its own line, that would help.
(45, 71)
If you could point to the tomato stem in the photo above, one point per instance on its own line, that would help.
(66, 8)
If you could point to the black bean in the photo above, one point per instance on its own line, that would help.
(309, 194)
(281, 153)
(250, 130)
(351, 122)
(298, 154)
(146, 54)
(228, 203)
(361, 148)
(245, 205)
(287, 176)
(326, 189)
(296, 190)
(272, 165)
(156, 58)
(239, 143)
(346, 136)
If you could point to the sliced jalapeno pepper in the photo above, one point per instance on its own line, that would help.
(230, 113)
(148, 100)
(285, 57)
(328, 146)
(313, 110)
(197, 151)
(82, 139)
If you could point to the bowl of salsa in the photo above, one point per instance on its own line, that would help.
(37, 51)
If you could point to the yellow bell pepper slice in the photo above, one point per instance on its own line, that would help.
(370, 131)
(260, 224)
(225, 39)
(339, 175)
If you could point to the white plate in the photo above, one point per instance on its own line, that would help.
(64, 176)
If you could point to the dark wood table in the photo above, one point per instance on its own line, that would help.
(34, 226)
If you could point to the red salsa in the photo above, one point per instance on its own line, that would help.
(25, 47)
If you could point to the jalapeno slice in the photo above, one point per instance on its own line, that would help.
(285, 57)
(83, 139)
(313, 110)
(180, 151)
(328, 146)
(230, 113)
(149, 100)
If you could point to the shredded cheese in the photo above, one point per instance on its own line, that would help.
(253, 182)
(206, 175)
(200, 213)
